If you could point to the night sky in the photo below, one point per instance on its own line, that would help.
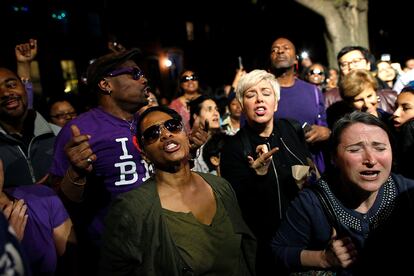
(235, 28)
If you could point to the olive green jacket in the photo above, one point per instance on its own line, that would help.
(136, 240)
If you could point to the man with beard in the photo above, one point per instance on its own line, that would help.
(95, 157)
(98, 144)
(299, 100)
(26, 154)
(26, 139)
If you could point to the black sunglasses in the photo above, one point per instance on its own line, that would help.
(152, 134)
(188, 78)
(133, 71)
(65, 115)
(316, 72)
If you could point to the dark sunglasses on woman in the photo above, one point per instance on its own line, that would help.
(152, 134)
(316, 72)
(188, 78)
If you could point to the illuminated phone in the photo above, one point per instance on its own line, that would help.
(240, 62)
(306, 127)
(385, 57)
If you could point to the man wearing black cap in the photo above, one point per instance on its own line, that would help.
(95, 158)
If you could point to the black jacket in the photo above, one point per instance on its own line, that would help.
(27, 164)
(264, 199)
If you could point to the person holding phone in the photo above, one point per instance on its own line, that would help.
(369, 203)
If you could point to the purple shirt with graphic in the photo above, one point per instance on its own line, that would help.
(45, 212)
(118, 164)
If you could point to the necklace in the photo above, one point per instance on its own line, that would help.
(132, 125)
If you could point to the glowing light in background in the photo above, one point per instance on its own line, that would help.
(167, 62)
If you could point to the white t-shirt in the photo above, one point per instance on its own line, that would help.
(403, 80)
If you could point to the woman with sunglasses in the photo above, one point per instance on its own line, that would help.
(188, 89)
(317, 75)
(178, 222)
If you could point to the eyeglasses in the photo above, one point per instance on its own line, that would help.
(65, 115)
(346, 64)
(316, 72)
(188, 78)
(133, 71)
(152, 134)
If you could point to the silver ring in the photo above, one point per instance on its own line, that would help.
(89, 160)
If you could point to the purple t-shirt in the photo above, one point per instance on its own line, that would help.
(119, 163)
(303, 102)
(45, 212)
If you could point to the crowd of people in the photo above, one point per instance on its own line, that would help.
(283, 173)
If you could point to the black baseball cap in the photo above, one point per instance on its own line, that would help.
(103, 65)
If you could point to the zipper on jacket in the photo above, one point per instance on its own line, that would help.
(28, 160)
(297, 158)
(279, 200)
